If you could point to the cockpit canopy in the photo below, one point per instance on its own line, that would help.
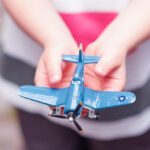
(76, 81)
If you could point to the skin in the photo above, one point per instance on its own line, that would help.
(129, 29)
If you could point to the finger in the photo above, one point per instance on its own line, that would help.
(91, 49)
(117, 80)
(41, 76)
(53, 62)
(107, 64)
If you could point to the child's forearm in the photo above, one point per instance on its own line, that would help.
(38, 19)
(130, 28)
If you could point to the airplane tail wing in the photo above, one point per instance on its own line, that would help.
(91, 59)
(71, 58)
(86, 59)
(81, 57)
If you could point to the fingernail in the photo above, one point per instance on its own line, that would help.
(100, 71)
(55, 79)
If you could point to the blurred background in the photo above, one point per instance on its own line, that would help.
(10, 133)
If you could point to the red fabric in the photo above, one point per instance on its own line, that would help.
(86, 27)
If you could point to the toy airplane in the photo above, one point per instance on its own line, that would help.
(76, 100)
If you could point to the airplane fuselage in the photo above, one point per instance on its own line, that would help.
(76, 90)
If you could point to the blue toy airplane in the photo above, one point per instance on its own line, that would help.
(76, 100)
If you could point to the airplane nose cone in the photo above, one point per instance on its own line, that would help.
(70, 119)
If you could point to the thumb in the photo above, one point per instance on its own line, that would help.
(53, 63)
(107, 64)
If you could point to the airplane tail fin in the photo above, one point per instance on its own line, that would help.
(81, 58)
(80, 53)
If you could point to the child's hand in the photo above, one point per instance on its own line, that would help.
(109, 73)
(130, 28)
(46, 27)
(51, 68)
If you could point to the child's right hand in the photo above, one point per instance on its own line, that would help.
(46, 27)
(51, 68)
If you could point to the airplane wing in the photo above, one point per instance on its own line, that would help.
(105, 99)
(75, 59)
(49, 96)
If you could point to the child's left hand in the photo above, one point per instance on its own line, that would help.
(130, 28)
(109, 73)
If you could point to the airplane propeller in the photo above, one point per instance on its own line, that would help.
(71, 116)
(77, 109)
(57, 116)
(77, 126)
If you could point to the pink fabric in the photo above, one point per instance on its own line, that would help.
(86, 27)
